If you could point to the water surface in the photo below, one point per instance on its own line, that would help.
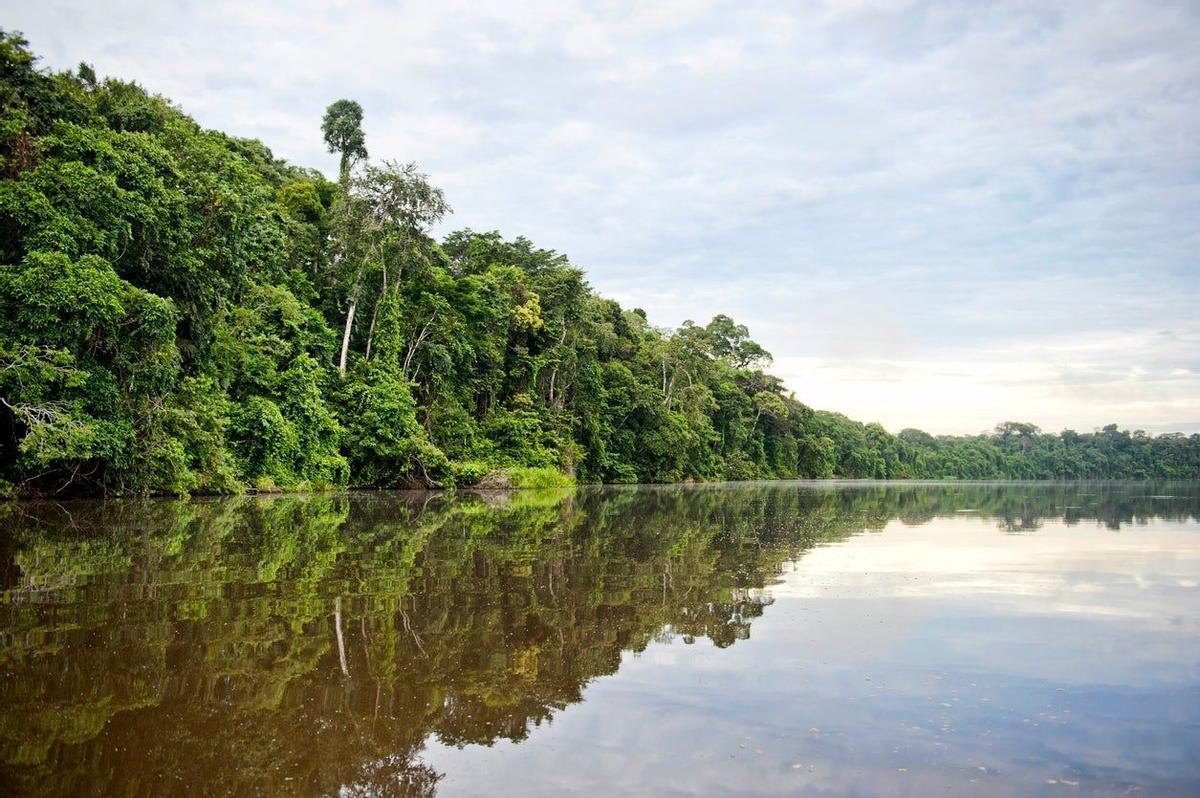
(756, 639)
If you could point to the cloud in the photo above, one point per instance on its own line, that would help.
(929, 183)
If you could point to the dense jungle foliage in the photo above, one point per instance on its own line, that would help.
(184, 312)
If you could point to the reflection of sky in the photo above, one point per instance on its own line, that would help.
(910, 662)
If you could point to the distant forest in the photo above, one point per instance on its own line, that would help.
(183, 312)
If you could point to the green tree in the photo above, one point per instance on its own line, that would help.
(342, 127)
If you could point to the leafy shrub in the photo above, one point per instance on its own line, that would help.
(469, 472)
(386, 444)
(534, 478)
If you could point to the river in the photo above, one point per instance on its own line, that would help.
(832, 639)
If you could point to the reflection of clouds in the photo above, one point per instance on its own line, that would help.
(1079, 570)
(946, 656)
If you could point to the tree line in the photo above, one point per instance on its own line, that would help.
(184, 312)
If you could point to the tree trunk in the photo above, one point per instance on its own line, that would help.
(349, 325)
(375, 313)
(346, 338)
(414, 345)
(371, 330)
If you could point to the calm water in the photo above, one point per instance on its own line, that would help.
(783, 639)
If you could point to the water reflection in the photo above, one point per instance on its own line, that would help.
(413, 643)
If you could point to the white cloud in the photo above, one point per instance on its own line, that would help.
(909, 188)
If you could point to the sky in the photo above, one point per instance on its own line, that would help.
(934, 214)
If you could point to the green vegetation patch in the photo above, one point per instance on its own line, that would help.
(183, 312)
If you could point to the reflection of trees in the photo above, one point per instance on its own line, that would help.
(157, 645)
(1024, 506)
